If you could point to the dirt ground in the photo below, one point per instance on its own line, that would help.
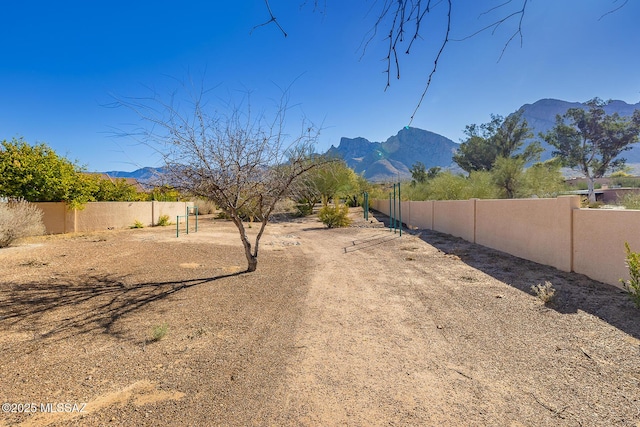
(355, 326)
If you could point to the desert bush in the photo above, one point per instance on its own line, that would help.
(303, 209)
(545, 293)
(630, 201)
(334, 216)
(205, 207)
(137, 224)
(19, 219)
(159, 331)
(632, 286)
(627, 181)
(164, 220)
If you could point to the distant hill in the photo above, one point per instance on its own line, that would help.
(145, 175)
(392, 159)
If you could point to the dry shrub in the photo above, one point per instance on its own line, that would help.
(546, 293)
(205, 207)
(19, 219)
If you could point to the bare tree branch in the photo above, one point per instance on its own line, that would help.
(435, 65)
(614, 10)
(273, 19)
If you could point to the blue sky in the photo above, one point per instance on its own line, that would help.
(62, 63)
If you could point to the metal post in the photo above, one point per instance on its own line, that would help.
(178, 226)
(390, 217)
(395, 225)
(399, 210)
(366, 206)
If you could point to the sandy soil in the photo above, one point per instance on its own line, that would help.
(353, 326)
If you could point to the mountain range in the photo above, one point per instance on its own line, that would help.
(392, 159)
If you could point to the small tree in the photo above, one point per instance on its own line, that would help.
(591, 141)
(418, 173)
(242, 162)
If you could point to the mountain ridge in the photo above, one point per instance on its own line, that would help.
(393, 158)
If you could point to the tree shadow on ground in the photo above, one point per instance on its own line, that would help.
(574, 291)
(80, 305)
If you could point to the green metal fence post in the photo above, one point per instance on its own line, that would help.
(390, 217)
(399, 210)
(395, 225)
(366, 206)
(178, 226)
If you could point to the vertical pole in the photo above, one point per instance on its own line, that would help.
(178, 226)
(366, 206)
(395, 225)
(399, 210)
(390, 217)
(196, 209)
(187, 220)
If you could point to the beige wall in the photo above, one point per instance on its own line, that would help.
(598, 242)
(55, 216)
(106, 215)
(553, 232)
(418, 214)
(455, 217)
(535, 229)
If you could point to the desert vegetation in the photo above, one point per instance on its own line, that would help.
(19, 219)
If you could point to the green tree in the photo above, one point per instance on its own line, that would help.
(591, 140)
(418, 173)
(37, 174)
(501, 137)
(507, 174)
(542, 179)
(118, 190)
(330, 180)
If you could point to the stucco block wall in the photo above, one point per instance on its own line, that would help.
(105, 215)
(455, 217)
(172, 209)
(598, 242)
(539, 230)
(97, 216)
(54, 216)
(419, 214)
(379, 205)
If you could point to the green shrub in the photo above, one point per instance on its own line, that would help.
(137, 224)
(625, 182)
(159, 331)
(335, 216)
(304, 209)
(630, 201)
(17, 220)
(163, 221)
(632, 286)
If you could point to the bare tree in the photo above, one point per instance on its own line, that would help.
(242, 161)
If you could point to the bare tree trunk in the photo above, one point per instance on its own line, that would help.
(252, 260)
(590, 186)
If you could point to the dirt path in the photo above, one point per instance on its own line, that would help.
(350, 327)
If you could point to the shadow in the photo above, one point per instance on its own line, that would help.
(358, 245)
(575, 292)
(90, 304)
